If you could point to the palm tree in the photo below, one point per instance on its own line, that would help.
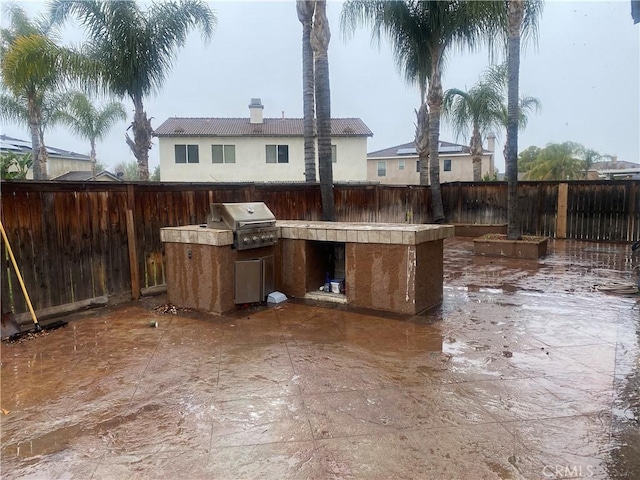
(497, 75)
(17, 110)
(527, 105)
(305, 9)
(589, 157)
(483, 107)
(320, 37)
(415, 63)
(522, 16)
(136, 49)
(557, 161)
(433, 28)
(89, 122)
(477, 110)
(33, 67)
(514, 23)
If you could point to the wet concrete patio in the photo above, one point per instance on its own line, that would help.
(524, 372)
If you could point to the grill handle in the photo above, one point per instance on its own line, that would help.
(258, 224)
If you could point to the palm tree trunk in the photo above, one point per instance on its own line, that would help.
(515, 16)
(93, 159)
(434, 99)
(475, 148)
(305, 9)
(422, 142)
(44, 157)
(141, 143)
(39, 169)
(320, 42)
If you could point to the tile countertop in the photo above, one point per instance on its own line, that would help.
(353, 232)
(347, 232)
(196, 234)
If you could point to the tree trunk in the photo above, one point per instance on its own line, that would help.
(141, 143)
(305, 9)
(475, 148)
(44, 157)
(434, 99)
(320, 41)
(39, 167)
(93, 159)
(516, 14)
(422, 142)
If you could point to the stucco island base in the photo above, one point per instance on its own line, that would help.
(389, 267)
(200, 266)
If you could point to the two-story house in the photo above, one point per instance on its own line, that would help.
(254, 149)
(400, 165)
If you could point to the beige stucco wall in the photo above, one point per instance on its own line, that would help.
(251, 165)
(461, 169)
(60, 166)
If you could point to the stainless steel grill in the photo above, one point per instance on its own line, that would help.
(252, 223)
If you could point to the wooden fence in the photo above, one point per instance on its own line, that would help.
(78, 241)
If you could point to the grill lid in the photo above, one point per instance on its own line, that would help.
(241, 216)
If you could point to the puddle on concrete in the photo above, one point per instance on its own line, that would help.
(522, 367)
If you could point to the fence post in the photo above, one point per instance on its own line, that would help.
(561, 219)
(131, 242)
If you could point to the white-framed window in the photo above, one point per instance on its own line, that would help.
(187, 154)
(400, 164)
(334, 154)
(277, 153)
(447, 165)
(223, 153)
(382, 169)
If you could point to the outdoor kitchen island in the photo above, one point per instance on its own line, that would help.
(389, 267)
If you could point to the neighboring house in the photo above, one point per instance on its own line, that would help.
(614, 170)
(399, 165)
(59, 161)
(254, 149)
(84, 176)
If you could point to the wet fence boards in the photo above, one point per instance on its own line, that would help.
(71, 239)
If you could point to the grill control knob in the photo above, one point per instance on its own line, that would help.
(264, 238)
(255, 239)
(246, 240)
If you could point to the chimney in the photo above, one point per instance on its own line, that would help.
(614, 161)
(491, 142)
(255, 111)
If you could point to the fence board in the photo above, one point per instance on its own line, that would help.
(70, 239)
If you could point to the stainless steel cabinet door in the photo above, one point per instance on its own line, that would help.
(248, 281)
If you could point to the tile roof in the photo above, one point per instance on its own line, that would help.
(619, 164)
(240, 127)
(409, 150)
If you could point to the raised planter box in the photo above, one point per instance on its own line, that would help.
(497, 245)
(479, 229)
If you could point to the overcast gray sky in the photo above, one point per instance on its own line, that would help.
(585, 70)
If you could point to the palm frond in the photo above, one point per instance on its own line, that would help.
(14, 109)
(88, 121)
